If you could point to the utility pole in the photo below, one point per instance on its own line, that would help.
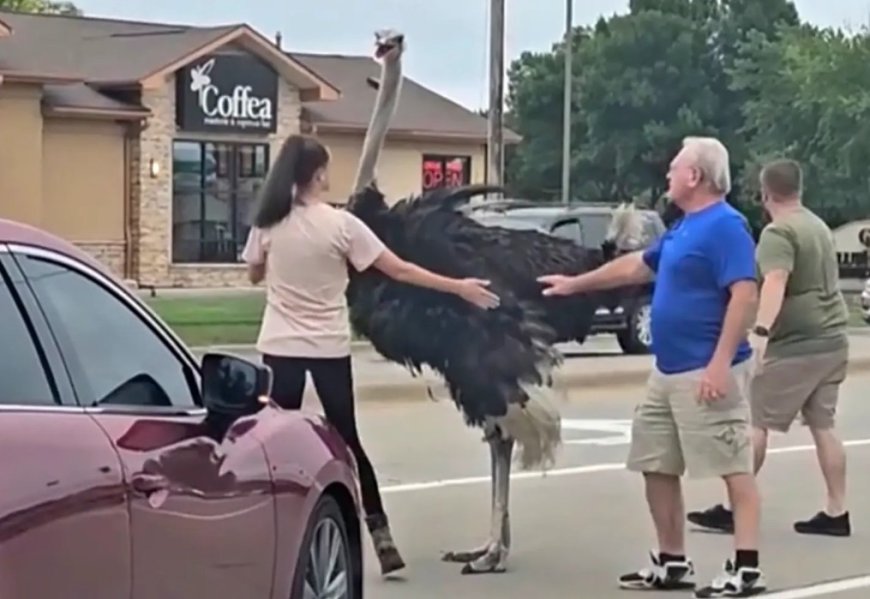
(566, 109)
(495, 128)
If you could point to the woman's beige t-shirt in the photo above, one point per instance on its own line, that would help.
(306, 258)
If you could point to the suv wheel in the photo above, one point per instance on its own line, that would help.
(325, 568)
(636, 338)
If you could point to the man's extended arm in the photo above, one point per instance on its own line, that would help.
(629, 269)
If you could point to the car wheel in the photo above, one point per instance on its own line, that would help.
(636, 338)
(325, 566)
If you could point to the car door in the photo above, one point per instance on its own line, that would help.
(200, 493)
(60, 478)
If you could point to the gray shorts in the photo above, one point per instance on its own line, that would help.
(809, 385)
(673, 431)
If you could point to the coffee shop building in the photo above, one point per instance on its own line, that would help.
(145, 143)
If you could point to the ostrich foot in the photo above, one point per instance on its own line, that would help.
(493, 561)
(464, 557)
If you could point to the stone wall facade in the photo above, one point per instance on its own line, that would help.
(109, 253)
(151, 213)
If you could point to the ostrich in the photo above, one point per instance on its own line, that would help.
(497, 364)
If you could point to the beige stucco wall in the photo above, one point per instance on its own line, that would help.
(400, 166)
(83, 186)
(152, 213)
(21, 153)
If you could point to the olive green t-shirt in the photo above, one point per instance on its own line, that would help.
(814, 317)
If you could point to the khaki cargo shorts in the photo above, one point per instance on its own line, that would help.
(673, 431)
(807, 384)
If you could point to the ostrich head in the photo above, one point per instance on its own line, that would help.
(389, 45)
(625, 233)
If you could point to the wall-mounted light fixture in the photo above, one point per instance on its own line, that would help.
(154, 168)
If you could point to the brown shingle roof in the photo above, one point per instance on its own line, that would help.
(107, 52)
(96, 50)
(90, 53)
(78, 96)
(4, 28)
(421, 111)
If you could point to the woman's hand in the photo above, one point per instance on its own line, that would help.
(475, 291)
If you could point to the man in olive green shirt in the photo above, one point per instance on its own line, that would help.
(800, 341)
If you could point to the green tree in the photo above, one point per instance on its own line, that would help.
(534, 110)
(644, 85)
(41, 6)
(643, 81)
(816, 109)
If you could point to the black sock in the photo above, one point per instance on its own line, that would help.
(746, 559)
(670, 557)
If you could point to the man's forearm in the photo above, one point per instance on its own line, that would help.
(625, 270)
(738, 314)
(770, 298)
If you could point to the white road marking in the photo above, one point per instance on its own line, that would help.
(621, 428)
(822, 588)
(589, 469)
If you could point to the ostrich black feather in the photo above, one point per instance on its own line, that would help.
(487, 358)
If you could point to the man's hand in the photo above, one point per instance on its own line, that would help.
(759, 349)
(559, 285)
(715, 381)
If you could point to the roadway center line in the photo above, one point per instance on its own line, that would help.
(821, 588)
(576, 470)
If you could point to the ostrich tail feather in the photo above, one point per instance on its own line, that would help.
(536, 426)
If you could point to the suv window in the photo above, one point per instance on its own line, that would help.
(114, 357)
(23, 377)
(595, 229)
(569, 229)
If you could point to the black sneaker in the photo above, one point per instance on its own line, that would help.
(717, 518)
(670, 576)
(744, 582)
(823, 524)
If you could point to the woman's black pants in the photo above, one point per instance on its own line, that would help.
(333, 381)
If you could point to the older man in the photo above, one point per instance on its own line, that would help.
(801, 342)
(695, 415)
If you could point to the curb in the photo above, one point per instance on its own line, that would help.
(417, 390)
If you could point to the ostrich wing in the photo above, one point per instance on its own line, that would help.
(484, 356)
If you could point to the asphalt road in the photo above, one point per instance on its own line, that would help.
(584, 524)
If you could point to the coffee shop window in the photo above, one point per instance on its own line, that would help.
(445, 171)
(213, 190)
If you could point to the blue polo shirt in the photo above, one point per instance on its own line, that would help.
(696, 261)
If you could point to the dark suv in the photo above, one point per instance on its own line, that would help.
(624, 312)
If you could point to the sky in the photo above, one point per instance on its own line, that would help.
(447, 40)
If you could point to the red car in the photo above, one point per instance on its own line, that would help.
(132, 471)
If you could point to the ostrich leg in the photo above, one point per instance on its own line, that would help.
(492, 557)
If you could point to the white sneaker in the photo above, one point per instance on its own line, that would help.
(670, 576)
(733, 582)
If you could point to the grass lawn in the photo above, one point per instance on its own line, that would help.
(235, 319)
(212, 320)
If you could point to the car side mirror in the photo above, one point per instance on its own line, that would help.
(234, 387)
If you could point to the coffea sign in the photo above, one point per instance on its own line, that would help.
(227, 92)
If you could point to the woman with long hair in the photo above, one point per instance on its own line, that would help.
(300, 246)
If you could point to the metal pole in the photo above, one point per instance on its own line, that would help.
(566, 108)
(495, 122)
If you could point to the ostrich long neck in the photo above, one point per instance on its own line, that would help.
(385, 107)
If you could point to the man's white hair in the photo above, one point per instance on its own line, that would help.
(710, 156)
